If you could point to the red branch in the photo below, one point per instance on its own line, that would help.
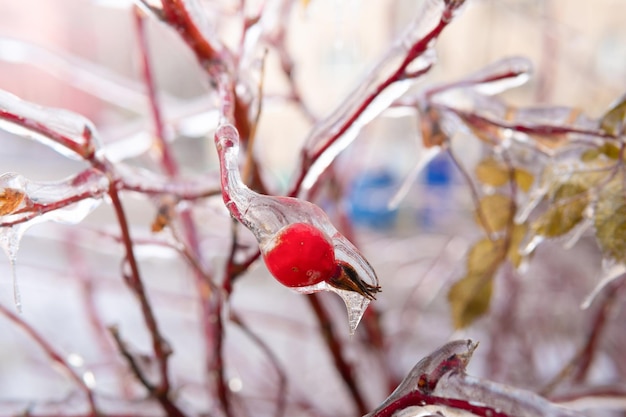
(416, 398)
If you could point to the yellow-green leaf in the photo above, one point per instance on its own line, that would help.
(610, 221)
(496, 212)
(613, 121)
(590, 155)
(484, 255)
(524, 179)
(565, 210)
(610, 150)
(470, 296)
(491, 172)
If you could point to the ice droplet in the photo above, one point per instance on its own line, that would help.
(356, 304)
(75, 360)
(424, 159)
(89, 379)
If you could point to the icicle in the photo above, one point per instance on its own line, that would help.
(424, 158)
(10, 238)
(610, 272)
(25, 203)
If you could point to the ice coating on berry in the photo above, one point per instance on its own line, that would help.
(300, 255)
(280, 224)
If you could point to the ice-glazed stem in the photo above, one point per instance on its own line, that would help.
(237, 196)
(440, 379)
(411, 57)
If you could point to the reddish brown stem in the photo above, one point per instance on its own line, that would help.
(544, 130)
(175, 13)
(133, 279)
(38, 209)
(210, 313)
(167, 160)
(416, 398)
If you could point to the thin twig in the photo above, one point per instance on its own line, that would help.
(53, 355)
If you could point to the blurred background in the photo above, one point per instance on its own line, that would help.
(83, 56)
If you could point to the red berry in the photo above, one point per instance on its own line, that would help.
(300, 255)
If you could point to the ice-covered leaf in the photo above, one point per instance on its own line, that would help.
(10, 200)
(66, 201)
(613, 121)
(25, 203)
(566, 210)
(470, 296)
(491, 172)
(496, 211)
(494, 173)
(610, 220)
(523, 179)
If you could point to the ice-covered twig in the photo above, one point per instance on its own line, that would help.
(68, 133)
(411, 56)
(75, 136)
(440, 379)
(492, 79)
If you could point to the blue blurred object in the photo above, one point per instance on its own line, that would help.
(368, 197)
(437, 179)
(439, 171)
